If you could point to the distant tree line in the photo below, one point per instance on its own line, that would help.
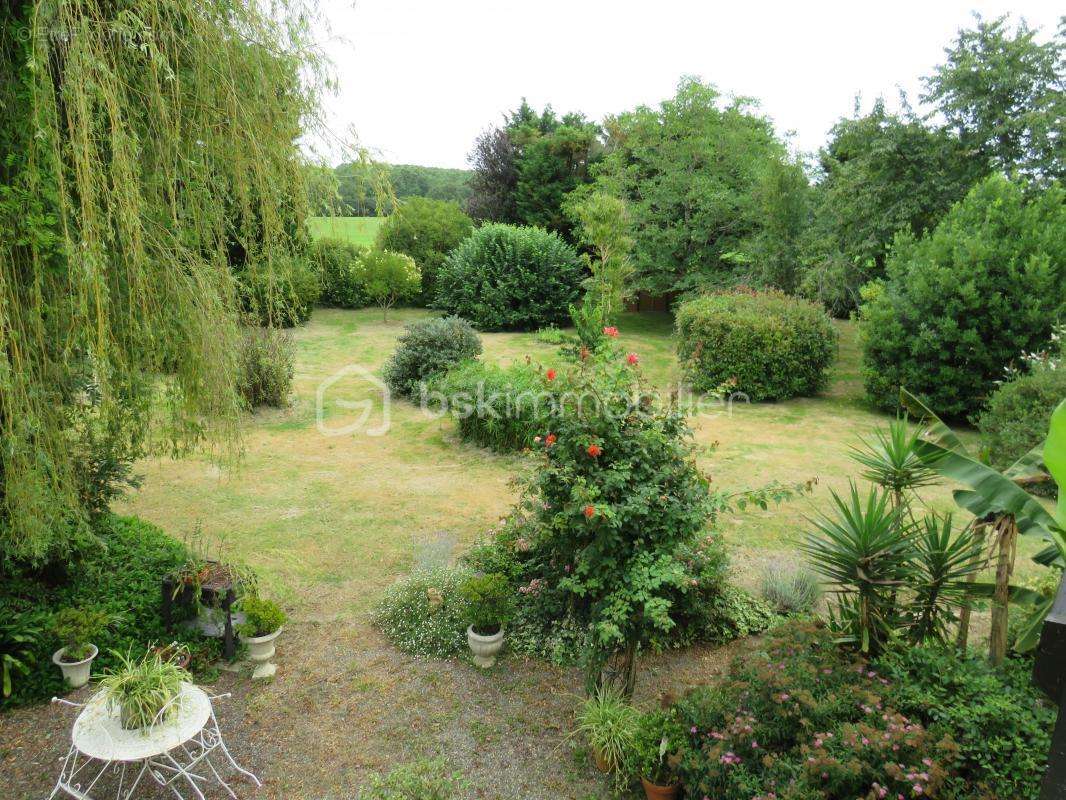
(352, 189)
(716, 198)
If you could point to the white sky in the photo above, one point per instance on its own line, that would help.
(419, 79)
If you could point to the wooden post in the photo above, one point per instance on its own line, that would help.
(1007, 533)
(967, 607)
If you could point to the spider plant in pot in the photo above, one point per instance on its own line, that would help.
(145, 691)
(609, 724)
(75, 628)
(653, 754)
(263, 623)
(490, 604)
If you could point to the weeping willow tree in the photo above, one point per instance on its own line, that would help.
(149, 157)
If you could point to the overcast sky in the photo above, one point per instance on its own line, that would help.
(419, 79)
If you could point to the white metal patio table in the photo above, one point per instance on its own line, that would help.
(174, 754)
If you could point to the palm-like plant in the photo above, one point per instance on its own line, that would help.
(998, 498)
(864, 551)
(942, 562)
(891, 460)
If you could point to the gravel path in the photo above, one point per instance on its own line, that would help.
(345, 704)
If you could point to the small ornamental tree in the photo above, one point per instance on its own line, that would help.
(388, 277)
(615, 501)
(602, 226)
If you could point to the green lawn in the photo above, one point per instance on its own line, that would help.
(357, 230)
(351, 512)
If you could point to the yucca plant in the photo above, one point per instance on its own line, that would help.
(891, 460)
(943, 561)
(864, 552)
(145, 690)
(609, 724)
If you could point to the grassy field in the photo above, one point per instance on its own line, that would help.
(351, 512)
(330, 521)
(357, 230)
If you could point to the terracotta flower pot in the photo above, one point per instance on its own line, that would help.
(76, 672)
(654, 791)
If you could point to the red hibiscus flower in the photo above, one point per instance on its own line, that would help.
(594, 450)
(611, 331)
(590, 512)
(550, 374)
(632, 359)
(550, 439)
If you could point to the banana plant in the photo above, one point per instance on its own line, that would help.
(995, 495)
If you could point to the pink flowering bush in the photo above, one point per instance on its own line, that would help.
(802, 719)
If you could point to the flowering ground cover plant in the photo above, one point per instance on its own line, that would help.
(804, 718)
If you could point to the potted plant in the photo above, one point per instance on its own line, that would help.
(263, 623)
(145, 690)
(490, 607)
(75, 628)
(608, 722)
(652, 755)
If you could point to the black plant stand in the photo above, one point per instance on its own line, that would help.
(219, 592)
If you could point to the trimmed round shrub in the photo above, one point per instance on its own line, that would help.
(960, 303)
(1017, 416)
(280, 295)
(504, 277)
(336, 261)
(266, 367)
(766, 345)
(427, 348)
(427, 230)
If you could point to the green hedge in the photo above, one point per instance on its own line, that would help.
(504, 277)
(511, 410)
(123, 577)
(335, 261)
(771, 345)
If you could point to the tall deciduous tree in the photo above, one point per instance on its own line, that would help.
(1002, 93)
(881, 173)
(688, 171)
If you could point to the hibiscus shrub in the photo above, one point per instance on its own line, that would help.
(504, 277)
(766, 345)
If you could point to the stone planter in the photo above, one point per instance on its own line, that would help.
(260, 650)
(75, 672)
(484, 648)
